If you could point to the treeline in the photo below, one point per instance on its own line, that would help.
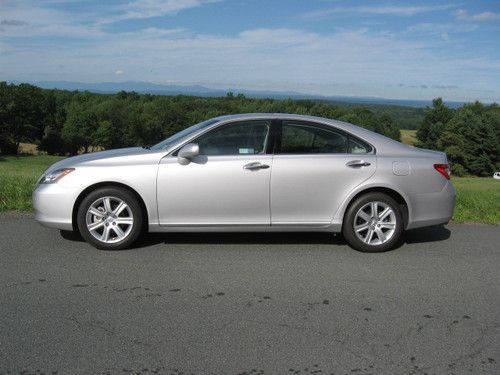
(405, 117)
(469, 135)
(63, 122)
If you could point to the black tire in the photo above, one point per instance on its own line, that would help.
(348, 225)
(135, 212)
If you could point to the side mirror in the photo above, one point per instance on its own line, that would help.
(187, 153)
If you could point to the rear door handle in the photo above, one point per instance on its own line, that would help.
(255, 165)
(357, 163)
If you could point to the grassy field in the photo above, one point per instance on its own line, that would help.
(408, 137)
(478, 198)
(18, 176)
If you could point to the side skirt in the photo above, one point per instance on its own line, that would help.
(300, 227)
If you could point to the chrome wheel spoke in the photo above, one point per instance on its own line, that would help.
(96, 212)
(362, 227)
(363, 215)
(107, 204)
(124, 220)
(369, 236)
(120, 234)
(95, 225)
(385, 213)
(387, 225)
(105, 234)
(121, 206)
(380, 235)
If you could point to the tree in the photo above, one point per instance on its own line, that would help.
(470, 139)
(22, 115)
(52, 141)
(79, 129)
(433, 124)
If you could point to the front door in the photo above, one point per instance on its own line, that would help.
(227, 184)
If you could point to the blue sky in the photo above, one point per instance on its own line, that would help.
(391, 49)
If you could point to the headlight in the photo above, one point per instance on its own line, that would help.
(54, 176)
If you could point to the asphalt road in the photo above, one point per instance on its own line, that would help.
(249, 303)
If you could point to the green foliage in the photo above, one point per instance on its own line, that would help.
(79, 129)
(470, 136)
(51, 141)
(63, 122)
(408, 137)
(22, 115)
(433, 124)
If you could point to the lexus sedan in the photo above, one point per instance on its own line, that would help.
(252, 172)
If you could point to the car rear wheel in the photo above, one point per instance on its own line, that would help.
(373, 223)
(110, 218)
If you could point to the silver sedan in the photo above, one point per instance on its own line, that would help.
(252, 172)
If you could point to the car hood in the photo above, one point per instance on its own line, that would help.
(93, 156)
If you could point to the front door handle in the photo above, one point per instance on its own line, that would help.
(255, 165)
(357, 163)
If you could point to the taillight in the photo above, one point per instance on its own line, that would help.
(444, 169)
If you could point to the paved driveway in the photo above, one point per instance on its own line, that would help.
(249, 303)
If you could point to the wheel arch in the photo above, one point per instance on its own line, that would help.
(99, 185)
(393, 193)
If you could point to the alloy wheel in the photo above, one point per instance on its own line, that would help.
(375, 223)
(109, 219)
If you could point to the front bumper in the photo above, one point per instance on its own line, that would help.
(433, 208)
(53, 205)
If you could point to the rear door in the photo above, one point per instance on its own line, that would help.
(314, 168)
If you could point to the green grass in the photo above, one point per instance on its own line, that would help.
(409, 137)
(18, 176)
(478, 199)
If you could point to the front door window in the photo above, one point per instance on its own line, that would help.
(242, 138)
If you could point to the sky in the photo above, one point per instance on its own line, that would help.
(390, 49)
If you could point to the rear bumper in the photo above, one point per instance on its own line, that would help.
(432, 208)
(53, 206)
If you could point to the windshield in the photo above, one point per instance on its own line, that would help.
(183, 134)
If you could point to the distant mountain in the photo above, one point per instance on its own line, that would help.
(197, 90)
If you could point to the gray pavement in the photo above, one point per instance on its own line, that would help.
(249, 304)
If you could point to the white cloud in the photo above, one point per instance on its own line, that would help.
(443, 27)
(119, 72)
(441, 30)
(31, 19)
(140, 9)
(479, 17)
(396, 10)
(160, 31)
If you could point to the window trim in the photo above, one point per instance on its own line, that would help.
(269, 140)
(349, 136)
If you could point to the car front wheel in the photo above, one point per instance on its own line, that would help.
(110, 218)
(373, 223)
